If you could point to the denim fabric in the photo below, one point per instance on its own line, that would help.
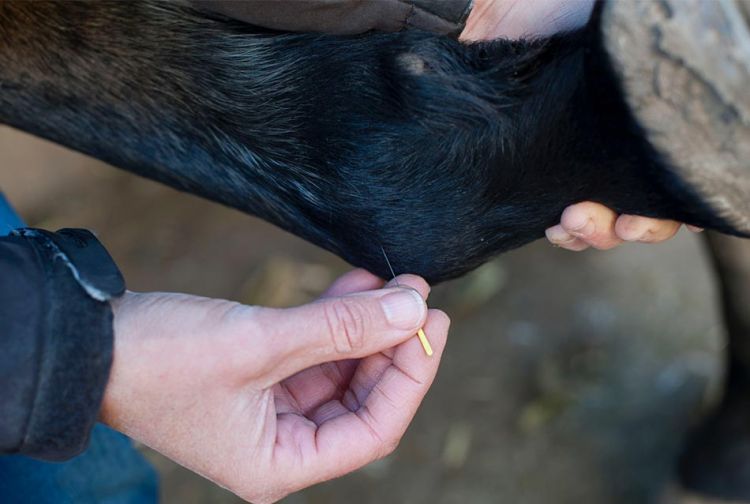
(110, 471)
(9, 220)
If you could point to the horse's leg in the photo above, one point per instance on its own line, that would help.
(717, 458)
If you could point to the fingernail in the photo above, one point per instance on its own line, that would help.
(403, 308)
(558, 236)
(564, 241)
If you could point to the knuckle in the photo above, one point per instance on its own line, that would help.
(241, 324)
(440, 317)
(416, 282)
(263, 499)
(271, 499)
(390, 445)
(386, 447)
(347, 320)
(266, 495)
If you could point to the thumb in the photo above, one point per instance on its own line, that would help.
(338, 328)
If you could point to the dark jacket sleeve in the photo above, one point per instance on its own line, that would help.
(346, 16)
(55, 339)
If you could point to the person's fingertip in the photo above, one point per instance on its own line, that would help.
(577, 220)
(645, 229)
(694, 229)
(657, 230)
(660, 235)
(404, 308)
(436, 329)
(439, 317)
(592, 223)
(631, 228)
(558, 236)
(415, 282)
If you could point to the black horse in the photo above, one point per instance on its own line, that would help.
(442, 154)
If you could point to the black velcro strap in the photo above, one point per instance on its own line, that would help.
(88, 260)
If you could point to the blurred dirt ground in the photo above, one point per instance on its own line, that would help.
(569, 378)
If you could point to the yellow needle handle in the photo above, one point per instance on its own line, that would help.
(425, 343)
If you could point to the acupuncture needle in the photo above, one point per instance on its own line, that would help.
(420, 333)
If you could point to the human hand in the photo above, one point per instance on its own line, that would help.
(513, 19)
(588, 224)
(268, 401)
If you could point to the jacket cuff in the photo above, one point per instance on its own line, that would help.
(75, 340)
(341, 17)
(447, 17)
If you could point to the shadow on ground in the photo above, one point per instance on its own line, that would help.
(569, 378)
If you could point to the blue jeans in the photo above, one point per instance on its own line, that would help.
(9, 219)
(110, 471)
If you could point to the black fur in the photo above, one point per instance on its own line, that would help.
(442, 153)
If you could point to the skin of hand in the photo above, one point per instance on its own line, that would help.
(588, 224)
(585, 224)
(266, 401)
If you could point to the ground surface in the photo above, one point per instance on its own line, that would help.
(569, 378)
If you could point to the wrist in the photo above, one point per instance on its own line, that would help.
(121, 322)
(71, 333)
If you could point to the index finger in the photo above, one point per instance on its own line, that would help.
(374, 429)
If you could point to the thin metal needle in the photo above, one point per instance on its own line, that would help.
(389, 265)
(420, 333)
